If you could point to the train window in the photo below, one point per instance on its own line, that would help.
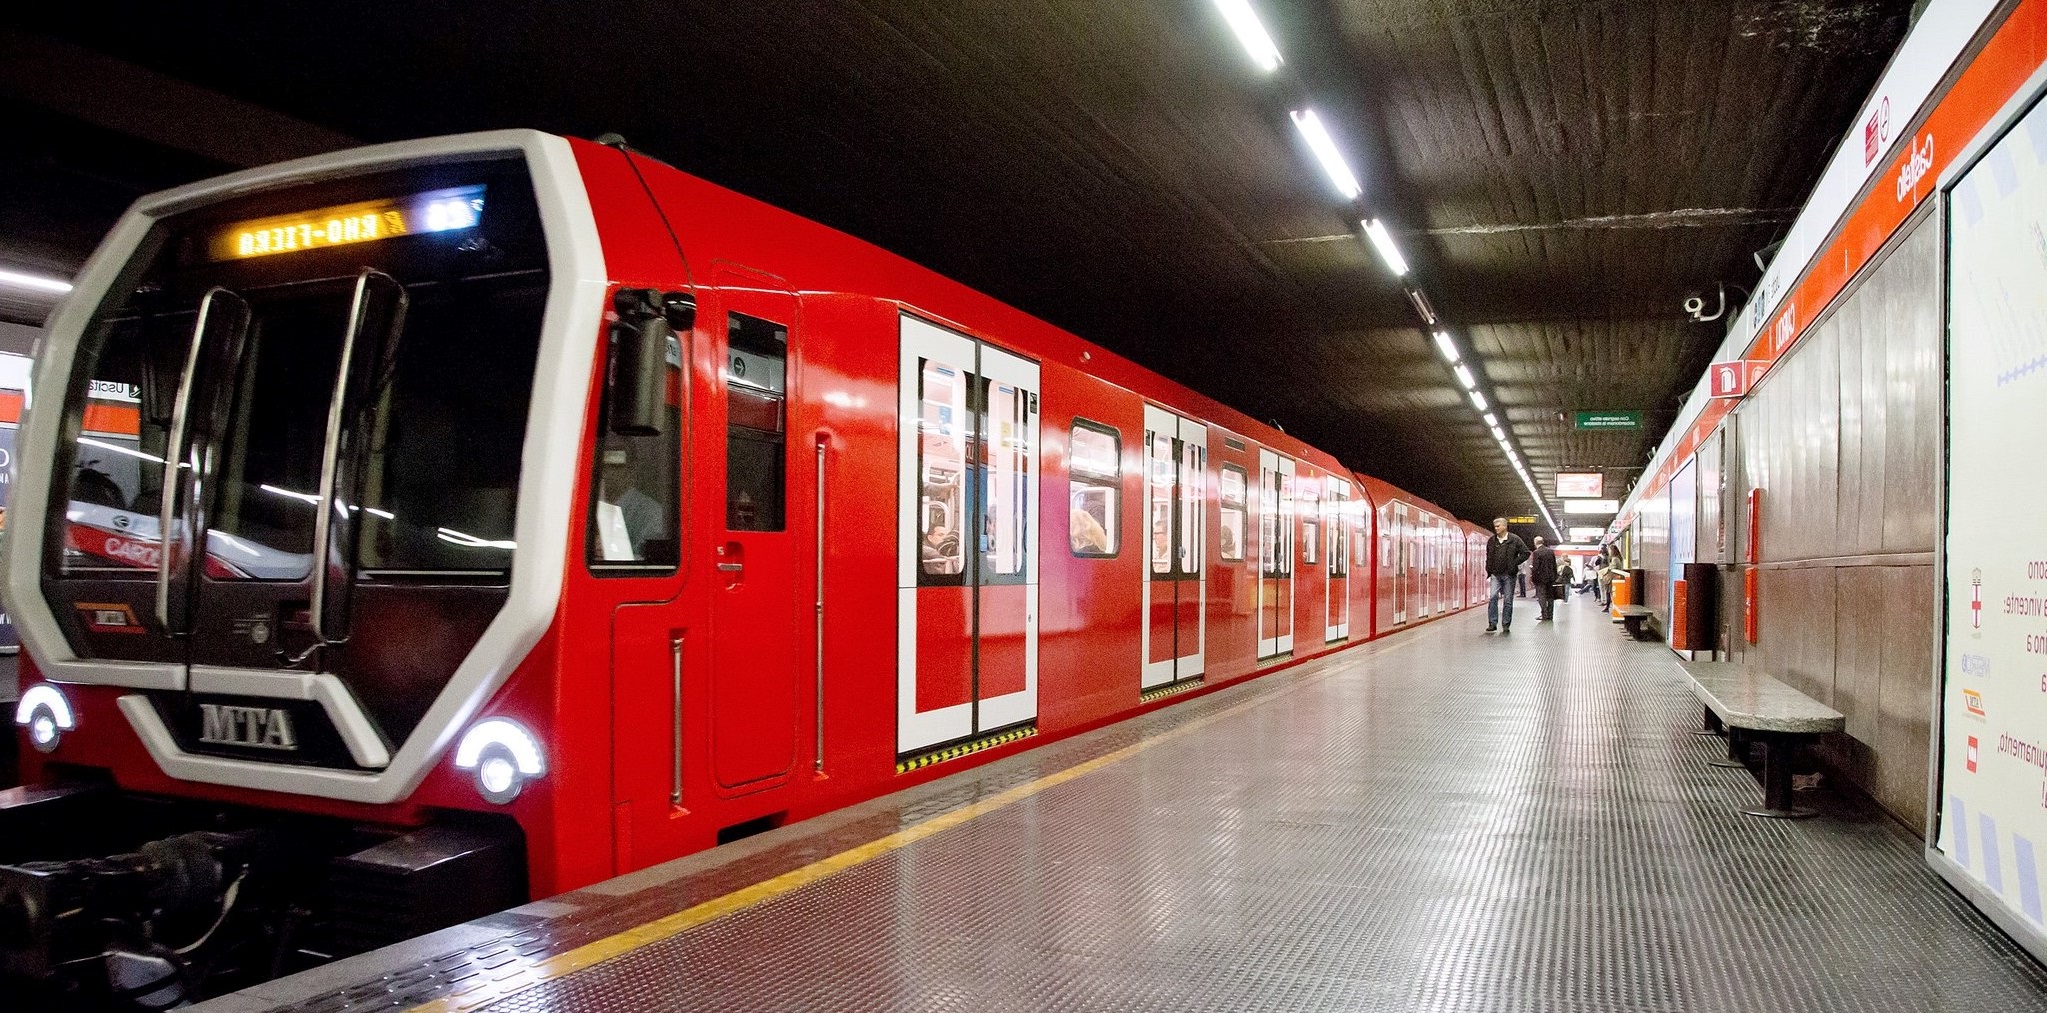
(1094, 462)
(1276, 521)
(1339, 558)
(1007, 452)
(943, 428)
(441, 474)
(757, 422)
(634, 520)
(1233, 480)
(1311, 526)
(1193, 462)
(1159, 465)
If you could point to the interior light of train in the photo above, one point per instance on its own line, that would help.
(1446, 345)
(1478, 401)
(449, 210)
(503, 755)
(43, 710)
(34, 282)
(1251, 32)
(1464, 376)
(1375, 230)
(1324, 147)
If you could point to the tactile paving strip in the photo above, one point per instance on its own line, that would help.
(1445, 821)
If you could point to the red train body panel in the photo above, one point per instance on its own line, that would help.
(992, 571)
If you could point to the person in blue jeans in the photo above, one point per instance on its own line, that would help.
(1504, 554)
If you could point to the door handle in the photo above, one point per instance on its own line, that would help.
(731, 567)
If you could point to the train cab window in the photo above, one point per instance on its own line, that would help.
(1094, 462)
(943, 429)
(757, 417)
(634, 519)
(1233, 481)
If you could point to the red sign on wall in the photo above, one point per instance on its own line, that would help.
(1732, 378)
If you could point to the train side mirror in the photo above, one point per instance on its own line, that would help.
(640, 341)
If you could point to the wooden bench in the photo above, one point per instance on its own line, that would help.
(1635, 619)
(1745, 703)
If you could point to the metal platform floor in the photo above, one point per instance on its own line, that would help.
(1442, 820)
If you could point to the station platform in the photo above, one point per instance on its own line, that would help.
(1440, 820)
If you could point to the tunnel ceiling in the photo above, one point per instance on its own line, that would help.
(1561, 174)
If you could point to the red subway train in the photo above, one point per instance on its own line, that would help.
(405, 532)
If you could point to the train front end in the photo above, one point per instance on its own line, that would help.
(289, 524)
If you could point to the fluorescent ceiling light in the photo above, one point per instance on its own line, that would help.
(1375, 230)
(34, 282)
(1325, 151)
(1491, 419)
(1499, 434)
(1478, 401)
(1446, 345)
(1251, 32)
(1464, 376)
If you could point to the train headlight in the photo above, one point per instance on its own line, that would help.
(502, 755)
(46, 714)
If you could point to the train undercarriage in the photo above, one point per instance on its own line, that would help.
(115, 901)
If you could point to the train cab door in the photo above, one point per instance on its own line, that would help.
(967, 578)
(1176, 512)
(1337, 522)
(755, 630)
(1275, 554)
(1400, 561)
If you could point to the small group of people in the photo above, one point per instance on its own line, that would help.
(1505, 553)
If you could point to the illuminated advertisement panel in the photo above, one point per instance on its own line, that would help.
(1581, 484)
(1993, 735)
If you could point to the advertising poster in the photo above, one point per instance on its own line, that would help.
(1993, 764)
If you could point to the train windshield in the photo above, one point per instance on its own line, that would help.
(301, 418)
(403, 329)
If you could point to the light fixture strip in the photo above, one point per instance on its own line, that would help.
(1324, 147)
(1251, 32)
(1375, 230)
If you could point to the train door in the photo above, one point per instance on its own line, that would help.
(754, 621)
(1275, 554)
(967, 636)
(1336, 593)
(1176, 511)
(1400, 561)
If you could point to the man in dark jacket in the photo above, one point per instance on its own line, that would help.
(1504, 554)
(1542, 570)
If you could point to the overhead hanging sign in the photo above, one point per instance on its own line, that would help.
(1592, 506)
(1521, 520)
(1585, 534)
(1608, 420)
(1733, 379)
(1581, 484)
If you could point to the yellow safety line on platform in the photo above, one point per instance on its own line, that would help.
(682, 921)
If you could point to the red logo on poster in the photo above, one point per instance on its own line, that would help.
(1972, 754)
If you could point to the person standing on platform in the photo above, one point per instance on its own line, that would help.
(1504, 554)
(1567, 576)
(1542, 570)
(1607, 572)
